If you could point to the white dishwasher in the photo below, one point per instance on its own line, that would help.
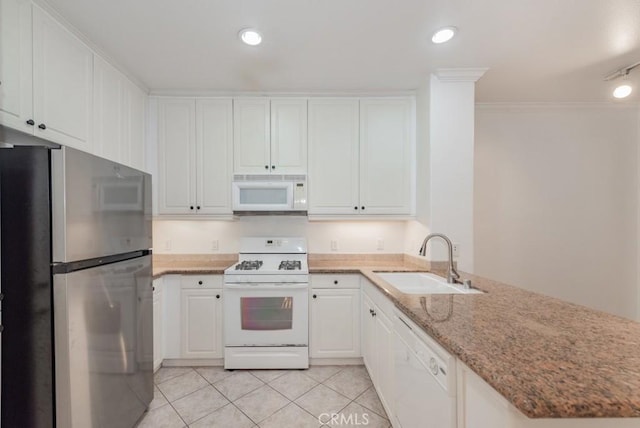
(425, 379)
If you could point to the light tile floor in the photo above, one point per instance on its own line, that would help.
(211, 397)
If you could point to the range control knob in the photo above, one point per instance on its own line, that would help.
(433, 366)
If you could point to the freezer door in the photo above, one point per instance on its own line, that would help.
(104, 345)
(99, 207)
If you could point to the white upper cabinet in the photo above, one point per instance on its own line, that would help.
(333, 156)
(176, 155)
(251, 144)
(16, 79)
(119, 116)
(289, 135)
(270, 136)
(195, 144)
(214, 150)
(361, 156)
(135, 117)
(109, 111)
(386, 155)
(52, 85)
(62, 84)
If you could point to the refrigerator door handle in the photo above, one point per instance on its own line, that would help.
(62, 268)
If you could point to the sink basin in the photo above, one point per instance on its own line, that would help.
(424, 283)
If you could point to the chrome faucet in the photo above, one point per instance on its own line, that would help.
(453, 277)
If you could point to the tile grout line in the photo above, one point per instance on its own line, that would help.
(232, 402)
(263, 383)
(225, 397)
(276, 411)
(193, 392)
(246, 393)
(171, 402)
(363, 392)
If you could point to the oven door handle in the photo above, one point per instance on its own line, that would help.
(266, 287)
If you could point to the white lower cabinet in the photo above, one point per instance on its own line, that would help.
(201, 317)
(368, 335)
(334, 321)
(481, 406)
(385, 368)
(157, 323)
(378, 342)
(192, 317)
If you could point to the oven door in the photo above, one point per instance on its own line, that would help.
(266, 314)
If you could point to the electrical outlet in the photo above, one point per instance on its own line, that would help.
(214, 245)
(456, 250)
(334, 245)
(167, 245)
(380, 244)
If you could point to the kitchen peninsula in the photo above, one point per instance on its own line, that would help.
(546, 357)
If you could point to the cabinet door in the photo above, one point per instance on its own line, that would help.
(214, 149)
(176, 156)
(109, 112)
(16, 90)
(289, 136)
(62, 84)
(157, 323)
(135, 118)
(384, 337)
(201, 323)
(333, 156)
(251, 152)
(171, 317)
(386, 155)
(369, 337)
(335, 323)
(479, 405)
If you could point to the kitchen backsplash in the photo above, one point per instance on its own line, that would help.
(211, 237)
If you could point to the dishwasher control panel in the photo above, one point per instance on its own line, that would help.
(431, 355)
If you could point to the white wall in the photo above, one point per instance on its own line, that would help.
(451, 145)
(417, 229)
(196, 237)
(556, 194)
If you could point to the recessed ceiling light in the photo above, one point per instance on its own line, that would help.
(250, 37)
(622, 91)
(444, 34)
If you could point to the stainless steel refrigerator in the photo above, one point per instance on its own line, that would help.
(76, 339)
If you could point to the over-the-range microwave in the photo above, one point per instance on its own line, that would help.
(285, 194)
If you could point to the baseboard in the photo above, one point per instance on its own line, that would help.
(219, 362)
(192, 362)
(336, 361)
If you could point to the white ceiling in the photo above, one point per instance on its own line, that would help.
(536, 50)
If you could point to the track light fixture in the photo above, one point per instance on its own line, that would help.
(623, 90)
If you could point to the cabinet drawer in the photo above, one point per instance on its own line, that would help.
(335, 281)
(200, 281)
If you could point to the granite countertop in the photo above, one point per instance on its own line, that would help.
(191, 264)
(548, 357)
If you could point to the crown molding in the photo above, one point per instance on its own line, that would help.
(557, 105)
(460, 74)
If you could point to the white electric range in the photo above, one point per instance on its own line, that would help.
(266, 305)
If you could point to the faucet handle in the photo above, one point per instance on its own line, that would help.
(466, 284)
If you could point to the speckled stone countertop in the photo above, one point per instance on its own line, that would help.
(548, 357)
(191, 264)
